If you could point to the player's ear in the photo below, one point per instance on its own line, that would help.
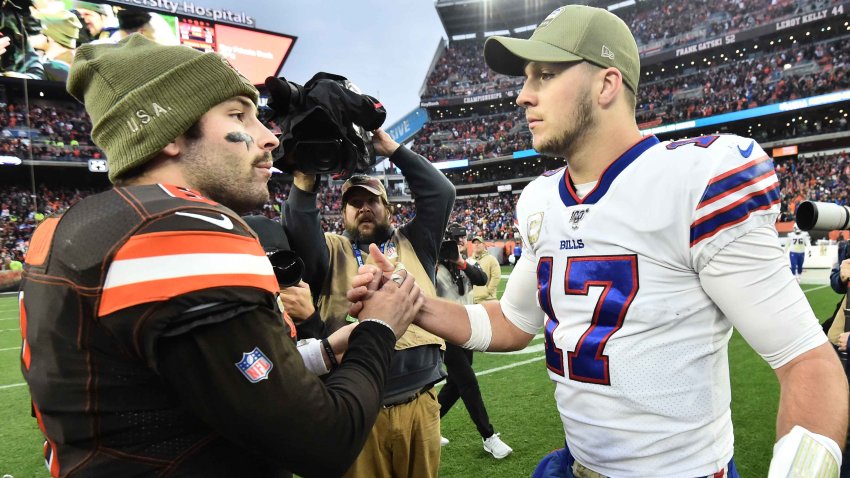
(171, 149)
(611, 86)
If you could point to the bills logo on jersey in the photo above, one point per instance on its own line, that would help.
(535, 223)
(255, 366)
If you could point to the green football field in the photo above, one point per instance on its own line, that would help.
(516, 390)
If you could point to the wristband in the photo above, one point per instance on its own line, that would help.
(481, 331)
(311, 353)
(331, 355)
(803, 453)
(380, 322)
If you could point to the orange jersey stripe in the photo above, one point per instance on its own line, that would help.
(40, 242)
(187, 242)
(121, 297)
(25, 349)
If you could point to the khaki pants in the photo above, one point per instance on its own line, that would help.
(404, 443)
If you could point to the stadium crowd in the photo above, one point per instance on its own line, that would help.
(657, 25)
(773, 74)
(759, 79)
(58, 132)
(483, 137)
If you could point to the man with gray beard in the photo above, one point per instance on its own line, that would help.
(405, 440)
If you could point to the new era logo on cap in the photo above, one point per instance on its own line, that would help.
(607, 53)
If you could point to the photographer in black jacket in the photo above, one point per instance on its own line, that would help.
(455, 277)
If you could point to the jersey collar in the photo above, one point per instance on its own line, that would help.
(568, 194)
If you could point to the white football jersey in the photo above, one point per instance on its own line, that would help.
(797, 241)
(636, 348)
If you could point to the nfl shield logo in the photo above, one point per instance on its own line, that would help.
(255, 366)
(390, 250)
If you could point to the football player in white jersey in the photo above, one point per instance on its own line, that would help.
(797, 242)
(638, 260)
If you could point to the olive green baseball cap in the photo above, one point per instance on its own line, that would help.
(569, 34)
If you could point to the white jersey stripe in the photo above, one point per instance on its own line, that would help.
(135, 271)
(737, 196)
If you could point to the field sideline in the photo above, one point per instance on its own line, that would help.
(516, 390)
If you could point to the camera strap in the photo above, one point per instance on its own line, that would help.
(359, 255)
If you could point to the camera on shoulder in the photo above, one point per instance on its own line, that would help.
(449, 247)
(325, 125)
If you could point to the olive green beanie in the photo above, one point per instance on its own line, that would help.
(141, 95)
(63, 27)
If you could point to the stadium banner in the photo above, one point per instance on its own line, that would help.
(653, 57)
(465, 100)
(791, 105)
(404, 129)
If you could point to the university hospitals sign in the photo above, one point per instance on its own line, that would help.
(193, 9)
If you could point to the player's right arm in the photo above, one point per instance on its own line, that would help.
(509, 324)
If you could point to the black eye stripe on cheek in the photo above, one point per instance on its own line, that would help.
(240, 137)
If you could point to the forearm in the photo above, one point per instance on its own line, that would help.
(814, 395)
(434, 196)
(450, 321)
(304, 230)
(293, 417)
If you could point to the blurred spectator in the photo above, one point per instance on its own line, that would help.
(56, 43)
(96, 18)
(151, 25)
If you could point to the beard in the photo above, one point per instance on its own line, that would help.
(568, 141)
(225, 178)
(240, 196)
(379, 233)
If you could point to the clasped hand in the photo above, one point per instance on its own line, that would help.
(384, 292)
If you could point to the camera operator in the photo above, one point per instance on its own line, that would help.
(410, 403)
(455, 277)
